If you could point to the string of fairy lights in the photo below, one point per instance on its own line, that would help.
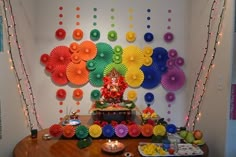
(194, 113)
(21, 75)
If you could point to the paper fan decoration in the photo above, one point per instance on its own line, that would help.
(104, 53)
(112, 35)
(162, 68)
(59, 75)
(68, 131)
(78, 34)
(147, 51)
(81, 132)
(77, 73)
(44, 59)
(170, 96)
(74, 47)
(160, 55)
(50, 67)
(173, 80)
(147, 130)
(171, 128)
(96, 77)
(61, 94)
(88, 50)
(149, 97)
(118, 49)
(179, 61)
(159, 130)
(121, 68)
(60, 34)
(132, 95)
(134, 77)
(56, 130)
(78, 93)
(168, 37)
(91, 65)
(134, 130)
(152, 77)
(121, 130)
(108, 131)
(94, 35)
(147, 61)
(117, 58)
(130, 36)
(95, 131)
(172, 53)
(60, 55)
(148, 37)
(95, 94)
(132, 56)
(170, 63)
(75, 58)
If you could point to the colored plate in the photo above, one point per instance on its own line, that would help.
(56, 130)
(68, 131)
(108, 130)
(121, 130)
(81, 132)
(147, 130)
(134, 77)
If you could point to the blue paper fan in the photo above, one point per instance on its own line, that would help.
(152, 77)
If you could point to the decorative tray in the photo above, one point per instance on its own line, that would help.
(71, 122)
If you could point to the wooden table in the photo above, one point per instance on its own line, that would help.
(55, 147)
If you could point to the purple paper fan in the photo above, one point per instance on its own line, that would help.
(168, 37)
(170, 63)
(170, 96)
(173, 80)
(121, 130)
(172, 53)
(179, 61)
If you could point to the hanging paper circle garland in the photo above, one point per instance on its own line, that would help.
(94, 35)
(149, 97)
(112, 35)
(60, 34)
(108, 130)
(148, 37)
(61, 94)
(78, 34)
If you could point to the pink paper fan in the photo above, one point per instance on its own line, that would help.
(173, 80)
(59, 75)
(172, 53)
(170, 96)
(121, 130)
(170, 63)
(179, 61)
(60, 55)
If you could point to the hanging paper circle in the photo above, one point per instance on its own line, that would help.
(108, 130)
(44, 58)
(88, 50)
(118, 49)
(149, 97)
(171, 128)
(96, 77)
(134, 130)
(81, 131)
(172, 53)
(112, 35)
(121, 130)
(134, 77)
(121, 68)
(147, 61)
(78, 34)
(179, 61)
(77, 73)
(130, 36)
(61, 94)
(77, 93)
(168, 37)
(159, 130)
(117, 58)
(160, 55)
(74, 47)
(147, 130)
(60, 34)
(56, 130)
(173, 80)
(75, 58)
(132, 57)
(94, 35)
(148, 37)
(132, 95)
(95, 131)
(170, 96)
(68, 131)
(60, 55)
(59, 75)
(95, 94)
(91, 65)
(148, 51)
(104, 54)
(152, 77)
(170, 63)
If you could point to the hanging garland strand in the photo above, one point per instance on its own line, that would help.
(18, 79)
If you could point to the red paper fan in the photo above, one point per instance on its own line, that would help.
(59, 75)
(147, 130)
(60, 34)
(173, 80)
(78, 93)
(77, 73)
(74, 47)
(50, 67)
(61, 94)
(56, 130)
(60, 55)
(134, 130)
(88, 50)
(75, 58)
(44, 58)
(68, 131)
(78, 34)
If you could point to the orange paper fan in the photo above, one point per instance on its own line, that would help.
(77, 73)
(59, 75)
(147, 130)
(78, 93)
(88, 50)
(78, 34)
(60, 55)
(74, 47)
(68, 131)
(75, 58)
(134, 77)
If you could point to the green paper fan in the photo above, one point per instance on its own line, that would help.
(81, 132)
(91, 65)
(95, 94)
(96, 77)
(117, 58)
(118, 50)
(121, 68)
(104, 54)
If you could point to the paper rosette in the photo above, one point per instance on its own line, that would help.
(162, 68)
(121, 130)
(56, 130)
(160, 56)
(117, 58)
(59, 75)
(130, 36)
(179, 61)
(132, 56)
(94, 34)
(170, 63)
(134, 130)
(134, 77)
(170, 96)
(149, 97)
(152, 77)
(108, 130)
(60, 34)
(60, 55)
(104, 54)
(148, 51)
(91, 65)
(81, 132)
(77, 73)
(171, 128)
(172, 53)
(50, 67)
(96, 77)
(75, 58)
(112, 35)
(147, 61)
(78, 34)
(148, 37)
(159, 130)
(168, 37)
(44, 59)
(118, 50)
(147, 130)
(173, 80)
(132, 95)
(95, 131)
(74, 47)
(121, 68)
(61, 94)
(77, 93)
(95, 94)
(88, 50)
(68, 131)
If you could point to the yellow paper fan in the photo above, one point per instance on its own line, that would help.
(132, 56)
(132, 95)
(159, 130)
(134, 77)
(95, 131)
(147, 61)
(147, 51)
